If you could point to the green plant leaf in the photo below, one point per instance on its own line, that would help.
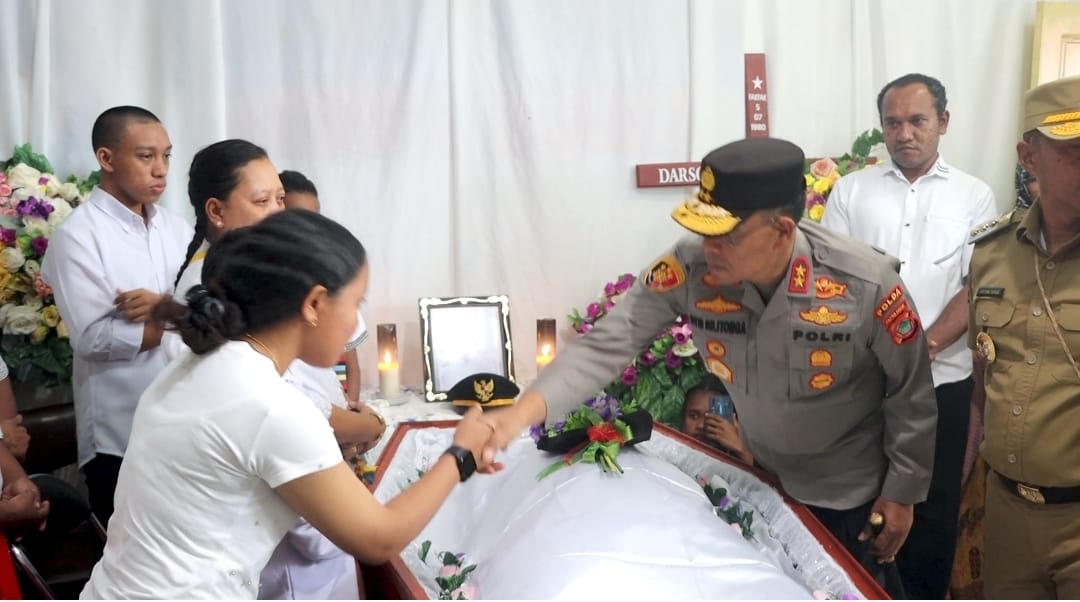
(424, 549)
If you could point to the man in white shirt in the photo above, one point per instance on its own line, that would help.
(920, 210)
(109, 264)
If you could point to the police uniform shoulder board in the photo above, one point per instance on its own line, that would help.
(844, 254)
(990, 228)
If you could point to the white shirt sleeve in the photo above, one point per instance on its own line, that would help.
(835, 217)
(4, 372)
(293, 441)
(76, 274)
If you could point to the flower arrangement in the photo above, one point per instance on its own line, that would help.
(595, 432)
(727, 507)
(659, 377)
(33, 202)
(453, 574)
(822, 174)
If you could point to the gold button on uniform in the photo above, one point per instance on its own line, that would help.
(1031, 359)
(1036, 312)
(1012, 458)
(984, 317)
(1049, 265)
(1017, 410)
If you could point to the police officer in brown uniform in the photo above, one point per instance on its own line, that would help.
(1025, 324)
(812, 332)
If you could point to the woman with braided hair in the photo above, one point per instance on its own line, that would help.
(225, 455)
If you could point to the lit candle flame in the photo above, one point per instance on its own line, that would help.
(545, 350)
(386, 358)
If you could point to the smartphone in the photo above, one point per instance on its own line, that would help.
(722, 406)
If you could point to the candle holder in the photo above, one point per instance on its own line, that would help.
(389, 372)
(545, 342)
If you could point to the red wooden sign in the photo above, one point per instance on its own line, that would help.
(652, 175)
(757, 97)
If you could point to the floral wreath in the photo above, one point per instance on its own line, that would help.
(596, 432)
(453, 574)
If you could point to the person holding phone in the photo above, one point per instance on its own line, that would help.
(709, 416)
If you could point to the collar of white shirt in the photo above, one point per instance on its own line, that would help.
(127, 218)
(939, 169)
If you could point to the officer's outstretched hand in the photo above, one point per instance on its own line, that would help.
(508, 423)
(892, 534)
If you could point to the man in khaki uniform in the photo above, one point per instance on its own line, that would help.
(812, 332)
(1025, 324)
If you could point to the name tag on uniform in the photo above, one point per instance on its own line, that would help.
(992, 292)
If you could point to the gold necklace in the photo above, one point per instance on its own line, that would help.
(262, 348)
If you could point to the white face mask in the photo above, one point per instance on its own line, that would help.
(359, 335)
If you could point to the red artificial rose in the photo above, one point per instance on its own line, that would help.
(604, 433)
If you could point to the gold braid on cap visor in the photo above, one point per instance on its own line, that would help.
(704, 218)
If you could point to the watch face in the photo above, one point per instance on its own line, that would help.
(466, 463)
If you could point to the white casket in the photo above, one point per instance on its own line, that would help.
(649, 533)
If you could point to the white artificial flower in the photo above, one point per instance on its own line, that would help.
(22, 320)
(52, 187)
(4, 310)
(686, 349)
(35, 226)
(69, 192)
(24, 176)
(61, 209)
(20, 194)
(31, 267)
(12, 259)
(718, 482)
(33, 302)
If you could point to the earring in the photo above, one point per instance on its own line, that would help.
(219, 224)
(313, 323)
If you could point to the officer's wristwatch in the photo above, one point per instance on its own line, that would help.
(466, 463)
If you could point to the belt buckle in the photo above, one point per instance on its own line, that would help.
(1031, 494)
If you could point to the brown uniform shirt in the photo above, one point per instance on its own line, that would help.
(831, 378)
(1032, 415)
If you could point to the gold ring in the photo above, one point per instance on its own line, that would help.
(887, 559)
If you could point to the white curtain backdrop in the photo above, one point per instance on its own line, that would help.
(480, 147)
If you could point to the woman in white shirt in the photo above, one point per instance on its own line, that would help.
(225, 455)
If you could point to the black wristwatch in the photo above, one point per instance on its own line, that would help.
(466, 463)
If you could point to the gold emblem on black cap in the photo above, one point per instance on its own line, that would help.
(708, 180)
(484, 390)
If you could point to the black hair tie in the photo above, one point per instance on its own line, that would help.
(202, 302)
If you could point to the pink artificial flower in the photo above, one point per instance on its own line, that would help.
(624, 283)
(681, 333)
(609, 289)
(608, 306)
(586, 328)
(822, 168)
(3, 177)
(41, 289)
(5, 190)
(630, 376)
(592, 311)
(450, 570)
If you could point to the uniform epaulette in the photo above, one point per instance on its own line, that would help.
(990, 228)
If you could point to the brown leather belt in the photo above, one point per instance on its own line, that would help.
(1043, 495)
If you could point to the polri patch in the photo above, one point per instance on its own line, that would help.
(664, 274)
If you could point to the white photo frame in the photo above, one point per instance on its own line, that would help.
(462, 336)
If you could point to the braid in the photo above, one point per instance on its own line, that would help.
(196, 241)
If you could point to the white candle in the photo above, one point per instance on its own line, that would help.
(389, 378)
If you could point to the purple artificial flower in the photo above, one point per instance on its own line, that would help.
(849, 596)
(681, 333)
(34, 207)
(609, 290)
(40, 244)
(648, 359)
(536, 431)
(592, 311)
(630, 376)
(724, 503)
(606, 406)
(624, 283)
(43, 180)
(586, 328)
(673, 361)
(609, 305)
(7, 236)
(559, 426)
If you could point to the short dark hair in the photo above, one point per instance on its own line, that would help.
(214, 173)
(294, 181)
(109, 126)
(936, 89)
(258, 276)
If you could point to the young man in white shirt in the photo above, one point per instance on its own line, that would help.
(109, 264)
(920, 210)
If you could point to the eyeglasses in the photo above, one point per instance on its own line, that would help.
(741, 232)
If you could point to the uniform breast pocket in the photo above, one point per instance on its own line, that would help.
(816, 368)
(993, 317)
(1068, 317)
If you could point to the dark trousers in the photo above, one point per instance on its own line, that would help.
(846, 525)
(926, 559)
(100, 474)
